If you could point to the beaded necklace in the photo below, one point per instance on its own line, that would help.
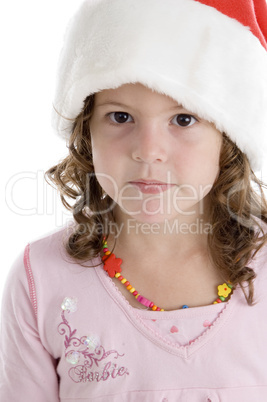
(112, 265)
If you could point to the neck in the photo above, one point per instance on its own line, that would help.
(182, 235)
(161, 264)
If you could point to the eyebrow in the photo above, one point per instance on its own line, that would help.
(113, 103)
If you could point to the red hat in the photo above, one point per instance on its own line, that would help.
(252, 14)
(209, 55)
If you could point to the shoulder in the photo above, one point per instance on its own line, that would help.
(49, 246)
(44, 275)
(47, 257)
(50, 249)
(44, 266)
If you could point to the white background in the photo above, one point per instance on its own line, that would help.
(31, 35)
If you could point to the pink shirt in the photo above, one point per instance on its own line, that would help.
(68, 334)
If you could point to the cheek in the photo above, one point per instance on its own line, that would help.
(198, 166)
(106, 166)
(208, 166)
(107, 148)
(101, 153)
(108, 184)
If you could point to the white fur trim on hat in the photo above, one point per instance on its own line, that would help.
(210, 63)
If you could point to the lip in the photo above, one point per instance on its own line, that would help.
(151, 186)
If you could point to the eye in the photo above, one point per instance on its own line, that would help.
(120, 117)
(184, 120)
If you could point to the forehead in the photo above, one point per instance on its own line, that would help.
(132, 94)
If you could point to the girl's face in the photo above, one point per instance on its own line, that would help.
(154, 158)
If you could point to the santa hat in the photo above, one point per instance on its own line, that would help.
(209, 55)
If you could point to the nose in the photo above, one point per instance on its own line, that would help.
(150, 145)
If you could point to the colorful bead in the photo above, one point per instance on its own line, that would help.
(224, 290)
(143, 301)
(112, 266)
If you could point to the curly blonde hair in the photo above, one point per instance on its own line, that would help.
(236, 215)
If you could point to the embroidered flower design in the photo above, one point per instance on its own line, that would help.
(89, 360)
(69, 304)
(73, 357)
(112, 264)
(92, 342)
(224, 290)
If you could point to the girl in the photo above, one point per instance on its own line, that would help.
(156, 292)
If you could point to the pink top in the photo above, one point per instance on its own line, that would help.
(68, 334)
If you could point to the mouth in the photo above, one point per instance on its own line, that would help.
(151, 186)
